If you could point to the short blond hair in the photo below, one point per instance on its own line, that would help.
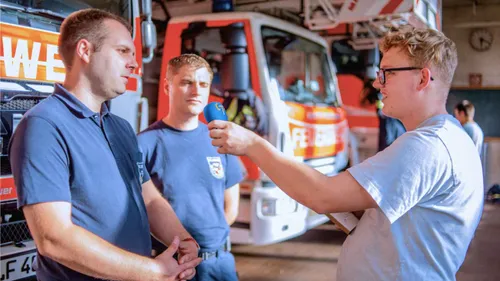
(425, 47)
(191, 60)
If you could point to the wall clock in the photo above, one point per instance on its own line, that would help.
(481, 39)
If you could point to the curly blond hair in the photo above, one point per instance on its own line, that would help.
(425, 47)
(192, 60)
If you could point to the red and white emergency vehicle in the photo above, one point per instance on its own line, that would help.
(281, 77)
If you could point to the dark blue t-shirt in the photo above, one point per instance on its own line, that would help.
(192, 176)
(61, 152)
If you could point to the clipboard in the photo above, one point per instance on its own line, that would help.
(345, 221)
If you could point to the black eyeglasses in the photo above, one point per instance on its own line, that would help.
(381, 73)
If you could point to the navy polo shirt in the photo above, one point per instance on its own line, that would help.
(63, 151)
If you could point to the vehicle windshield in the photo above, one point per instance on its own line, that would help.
(48, 14)
(299, 67)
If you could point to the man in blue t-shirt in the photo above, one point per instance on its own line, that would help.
(201, 185)
(88, 202)
(464, 112)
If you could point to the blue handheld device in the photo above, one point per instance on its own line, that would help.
(214, 111)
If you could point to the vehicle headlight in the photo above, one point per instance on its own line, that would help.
(274, 207)
(268, 207)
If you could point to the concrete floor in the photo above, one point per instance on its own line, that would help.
(313, 256)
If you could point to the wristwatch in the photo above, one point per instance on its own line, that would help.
(191, 239)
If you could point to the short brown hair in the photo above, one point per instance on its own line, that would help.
(84, 24)
(466, 107)
(425, 46)
(192, 60)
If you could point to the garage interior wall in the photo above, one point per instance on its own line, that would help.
(458, 22)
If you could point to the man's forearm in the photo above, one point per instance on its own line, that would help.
(87, 253)
(296, 179)
(231, 203)
(230, 216)
(323, 194)
(164, 222)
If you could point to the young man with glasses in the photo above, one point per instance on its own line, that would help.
(422, 195)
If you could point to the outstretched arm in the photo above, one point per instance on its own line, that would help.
(309, 187)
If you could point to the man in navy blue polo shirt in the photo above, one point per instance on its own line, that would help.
(201, 185)
(88, 201)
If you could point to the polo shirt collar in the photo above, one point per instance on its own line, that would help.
(75, 105)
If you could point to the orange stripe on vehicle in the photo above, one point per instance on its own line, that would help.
(390, 7)
(138, 46)
(252, 56)
(351, 88)
(438, 21)
(7, 189)
(316, 132)
(29, 54)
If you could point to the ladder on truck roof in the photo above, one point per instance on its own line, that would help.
(362, 21)
(365, 21)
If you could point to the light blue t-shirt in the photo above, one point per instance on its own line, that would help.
(428, 186)
(192, 176)
(475, 133)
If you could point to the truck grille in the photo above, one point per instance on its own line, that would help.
(18, 105)
(5, 169)
(13, 232)
(23, 104)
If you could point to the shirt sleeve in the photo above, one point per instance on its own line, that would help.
(141, 159)
(40, 162)
(145, 174)
(400, 176)
(234, 173)
(470, 131)
(144, 140)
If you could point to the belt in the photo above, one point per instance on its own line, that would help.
(226, 247)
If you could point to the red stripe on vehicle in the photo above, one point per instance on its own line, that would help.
(390, 7)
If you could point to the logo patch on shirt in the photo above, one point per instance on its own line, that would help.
(216, 168)
(140, 168)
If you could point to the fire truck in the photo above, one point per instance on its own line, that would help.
(29, 66)
(275, 75)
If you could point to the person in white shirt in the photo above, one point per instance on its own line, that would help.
(464, 112)
(422, 195)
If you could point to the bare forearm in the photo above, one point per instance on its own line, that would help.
(87, 253)
(231, 203)
(230, 216)
(164, 223)
(298, 180)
